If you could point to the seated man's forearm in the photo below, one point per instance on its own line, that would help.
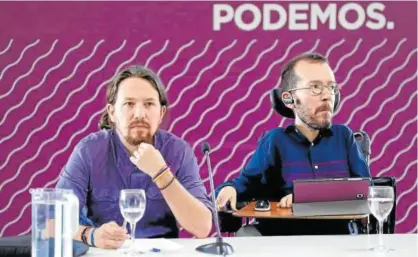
(191, 213)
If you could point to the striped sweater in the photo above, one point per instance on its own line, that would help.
(284, 155)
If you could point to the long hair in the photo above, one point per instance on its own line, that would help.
(113, 88)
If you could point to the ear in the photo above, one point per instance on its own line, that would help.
(287, 100)
(111, 112)
(162, 113)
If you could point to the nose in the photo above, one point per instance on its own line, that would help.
(139, 113)
(326, 95)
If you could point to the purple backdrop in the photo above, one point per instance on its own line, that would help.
(56, 58)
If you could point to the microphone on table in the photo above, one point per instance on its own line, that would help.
(219, 247)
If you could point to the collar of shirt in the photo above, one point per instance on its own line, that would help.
(295, 134)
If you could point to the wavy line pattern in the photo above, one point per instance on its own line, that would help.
(392, 117)
(27, 231)
(56, 88)
(399, 68)
(393, 97)
(230, 156)
(158, 53)
(202, 72)
(19, 59)
(406, 171)
(45, 123)
(394, 139)
(95, 115)
(232, 124)
(246, 158)
(234, 172)
(202, 116)
(181, 49)
(211, 85)
(15, 220)
(7, 47)
(355, 93)
(360, 65)
(187, 67)
(238, 126)
(38, 129)
(413, 231)
(40, 83)
(30, 71)
(413, 142)
(328, 54)
(348, 55)
(414, 205)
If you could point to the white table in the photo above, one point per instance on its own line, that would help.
(404, 245)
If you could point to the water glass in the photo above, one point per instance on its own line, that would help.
(380, 200)
(132, 203)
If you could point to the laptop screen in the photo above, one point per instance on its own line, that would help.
(333, 189)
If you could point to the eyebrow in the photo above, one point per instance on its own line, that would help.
(319, 81)
(136, 99)
(150, 99)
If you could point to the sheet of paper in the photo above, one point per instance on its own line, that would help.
(156, 244)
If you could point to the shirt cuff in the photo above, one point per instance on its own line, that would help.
(225, 184)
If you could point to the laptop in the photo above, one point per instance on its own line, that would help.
(330, 196)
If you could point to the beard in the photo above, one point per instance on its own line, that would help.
(135, 135)
(310, 117)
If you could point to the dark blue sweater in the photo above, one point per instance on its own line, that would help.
(284, 155)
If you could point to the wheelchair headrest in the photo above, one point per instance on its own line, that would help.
(363, 141)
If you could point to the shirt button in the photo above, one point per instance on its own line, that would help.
(316, 167)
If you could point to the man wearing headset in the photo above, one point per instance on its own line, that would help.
(310, 148)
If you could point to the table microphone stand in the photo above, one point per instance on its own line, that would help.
(219, 247)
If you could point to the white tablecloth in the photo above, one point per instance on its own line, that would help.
(403, 245)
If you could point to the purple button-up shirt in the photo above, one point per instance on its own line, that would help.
(99, 168)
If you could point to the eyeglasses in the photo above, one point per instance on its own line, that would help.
(318, 88)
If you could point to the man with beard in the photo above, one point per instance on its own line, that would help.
(308, 149)
(132, 152)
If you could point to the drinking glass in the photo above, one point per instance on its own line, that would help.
(380, 200)
(132, 204)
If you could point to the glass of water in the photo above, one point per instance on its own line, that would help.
(380, 201)
(132, 204)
